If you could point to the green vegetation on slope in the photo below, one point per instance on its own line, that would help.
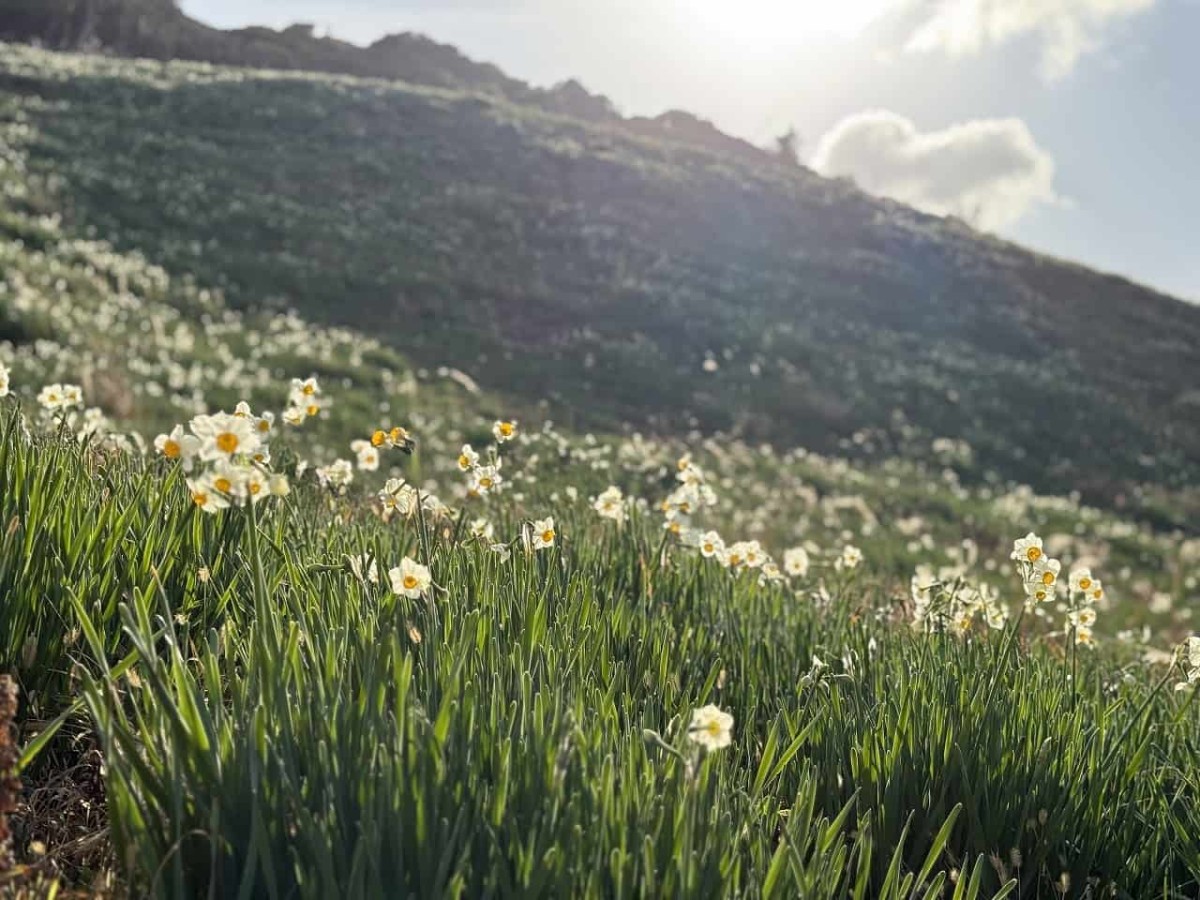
(276, 722)
(568, 261)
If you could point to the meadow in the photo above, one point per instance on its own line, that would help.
(300, 687)
(286, 613)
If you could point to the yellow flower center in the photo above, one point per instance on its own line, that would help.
(1047, 578)
(548, 535)
(708, 548)
(506, 429)
(254, 487)
(378, 438)
(1033, 554)
(713, 728)
(464, 462)
(171, 450)
(309, 390)
(222, 484)
(263, 426)
(227, 442)
(312, 409)
(485, 482)
(398, 435)
(200, 498)
(1085, 583)
(735, 559)
(410, 582)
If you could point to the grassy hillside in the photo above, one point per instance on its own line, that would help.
(616, 278)
(229, 703)
(275, 724)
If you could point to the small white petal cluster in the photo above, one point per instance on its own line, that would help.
(711, 727)
(610, 504)
(337, 476)
(57, 398)
(304, 401)
(946, 601)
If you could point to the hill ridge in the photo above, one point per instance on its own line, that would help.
(158, 29)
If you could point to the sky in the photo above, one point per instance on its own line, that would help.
(1071, 126)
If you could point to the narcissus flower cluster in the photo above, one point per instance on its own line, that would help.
(227, 456)
(304, 401)
(57, 398)
(1039, 572)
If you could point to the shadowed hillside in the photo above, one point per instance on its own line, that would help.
(157, 29)
(621, 278)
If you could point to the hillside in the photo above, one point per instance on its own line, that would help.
(157, 29)
(472, 574)
(617, 278)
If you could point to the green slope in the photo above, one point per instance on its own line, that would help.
(575, 263)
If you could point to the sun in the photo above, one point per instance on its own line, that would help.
(769, 24)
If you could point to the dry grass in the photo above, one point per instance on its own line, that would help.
(60, 838)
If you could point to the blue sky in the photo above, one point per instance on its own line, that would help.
(1072, 126)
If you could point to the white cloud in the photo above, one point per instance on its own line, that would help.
(1068, 28)
(987, 171)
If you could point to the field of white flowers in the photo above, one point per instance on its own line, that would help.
(282, 615)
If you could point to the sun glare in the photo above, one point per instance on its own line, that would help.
(768, 24)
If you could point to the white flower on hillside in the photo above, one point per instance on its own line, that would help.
(795, 562)
(610, 504)
(178, 445)
(1082, 580)
(850, 558)
(484, 480)
(711, 728)
(367, 456)
(337, 475)
(468, 459)
(279, 486)
(255, 483)
(56, 397)
(224, 436)
(410, 579)
(5, 375)
(1027, 549)
(304, 392)
(711, 545)
(398, 498)
(543, 533)
(205, 494)
(504, 431)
